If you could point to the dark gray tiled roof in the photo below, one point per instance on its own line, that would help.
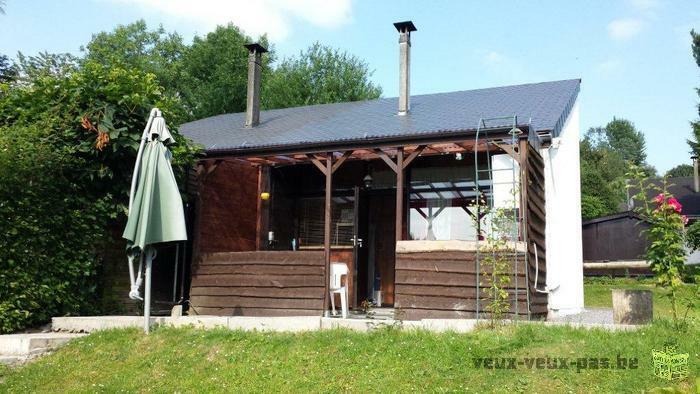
(545, 106)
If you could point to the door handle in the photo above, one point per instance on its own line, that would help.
(356, 241)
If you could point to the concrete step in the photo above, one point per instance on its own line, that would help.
(19, 347)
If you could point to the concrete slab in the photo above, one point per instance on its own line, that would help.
(362, 325)
(455, 325)
(95, 323)
(89, 324)
(199, 321)
(283, 324)
(18, 347)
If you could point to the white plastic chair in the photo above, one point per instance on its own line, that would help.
(338, 270)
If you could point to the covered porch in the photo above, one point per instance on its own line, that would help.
(403, 215)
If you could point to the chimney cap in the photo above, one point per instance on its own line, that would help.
(255, 47)
(405, 26)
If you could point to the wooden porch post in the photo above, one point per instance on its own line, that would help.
(327, 228)
(399, 193)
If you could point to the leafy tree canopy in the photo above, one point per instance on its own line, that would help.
(8, 71)
(606, 154)
(680, 170)
(216, 70)
(135, 46)
(319, 75)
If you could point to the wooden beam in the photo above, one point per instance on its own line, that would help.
(399, 193)
(413, 155)
(340, 160)
(327, 229)
(317, 163)
(386, 159)
(509, 149)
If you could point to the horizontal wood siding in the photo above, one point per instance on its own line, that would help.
(274, 283)
(536, 219)
(444, 285)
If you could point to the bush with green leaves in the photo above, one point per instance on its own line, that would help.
(50, 230)
(69, 133)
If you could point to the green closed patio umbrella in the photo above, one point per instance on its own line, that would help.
(155, 207)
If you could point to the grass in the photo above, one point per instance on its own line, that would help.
(191, 360)
(598, 294)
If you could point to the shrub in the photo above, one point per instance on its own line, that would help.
(49, 230)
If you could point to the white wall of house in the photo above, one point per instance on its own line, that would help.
(563, 232)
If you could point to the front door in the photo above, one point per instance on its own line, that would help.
(374, 255)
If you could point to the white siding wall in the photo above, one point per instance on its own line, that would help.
(563, 205)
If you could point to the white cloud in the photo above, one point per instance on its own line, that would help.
(254, 17)
(492, 58)
(609, 66)
(625, 28)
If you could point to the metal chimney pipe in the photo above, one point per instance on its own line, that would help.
(252, 112)
(404, 29)
(696, 176)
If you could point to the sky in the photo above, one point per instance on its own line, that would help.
(633, 56)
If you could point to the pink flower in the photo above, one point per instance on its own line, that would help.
(685, 219)
(675, 204)
(659, 199)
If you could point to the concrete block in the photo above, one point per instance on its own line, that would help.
(282, 323)
(94, 323)
(632, 306)
(18, 347)
(176, 311)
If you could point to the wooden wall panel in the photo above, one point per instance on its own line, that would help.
(444, 285)
(263, 283)
(536, 219)
(227, 208)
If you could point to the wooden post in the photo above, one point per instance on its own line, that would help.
(399, 193)
(263, 219)
(524, 180)
(327, 228)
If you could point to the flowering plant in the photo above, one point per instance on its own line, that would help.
(665, 252)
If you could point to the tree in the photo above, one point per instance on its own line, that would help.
(8, 71)
(606, 156)
(624, 138)
(694, 142)
(680, 170)
(319, 75)
(216, 72)
(602, 177)
(134, 46)
(68, 143)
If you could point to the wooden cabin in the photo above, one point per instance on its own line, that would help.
(388, 187)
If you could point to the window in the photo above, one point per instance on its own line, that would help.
(442, 195)
(311, 214)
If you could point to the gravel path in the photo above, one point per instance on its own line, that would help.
(589, 315)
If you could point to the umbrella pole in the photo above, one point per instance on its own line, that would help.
(147, 293)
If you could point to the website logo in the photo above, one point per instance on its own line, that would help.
(669, 364)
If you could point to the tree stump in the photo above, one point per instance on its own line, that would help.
(632, 306)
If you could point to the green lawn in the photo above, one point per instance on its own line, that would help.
(598, 294)
(190, 360)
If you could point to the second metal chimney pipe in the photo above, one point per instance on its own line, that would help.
(252, 112)
(696, 176)
(404, 29)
